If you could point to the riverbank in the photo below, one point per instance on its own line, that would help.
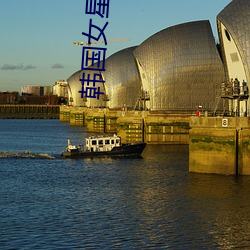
(24, 111)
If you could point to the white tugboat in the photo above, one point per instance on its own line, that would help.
(103, 146)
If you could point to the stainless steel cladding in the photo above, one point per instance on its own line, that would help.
(234, 25)
(180, 67)
(122, 82)
(75, 85)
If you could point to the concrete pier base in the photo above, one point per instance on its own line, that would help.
(130, 126)
(219, 145)
(64, 114)
(94, 120)
(167, 129)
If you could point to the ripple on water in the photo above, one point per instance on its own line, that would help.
(148, 203)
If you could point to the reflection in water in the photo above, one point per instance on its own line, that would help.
(187, 209)
(223, 202)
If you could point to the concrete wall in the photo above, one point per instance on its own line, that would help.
(244, 153)
(130, 126)
(219, 145)
(64, 114)
(167, 129)
(20, 111)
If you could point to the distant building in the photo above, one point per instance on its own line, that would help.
(60, 89)
(37, 90)
(9, 97)
(39, 95)
(47, 90)
(30, 90)
(41, 100)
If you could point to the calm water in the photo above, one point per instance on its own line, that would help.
(148, 203)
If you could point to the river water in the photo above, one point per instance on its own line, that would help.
(150, 203)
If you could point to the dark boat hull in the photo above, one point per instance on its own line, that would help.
(131, 150)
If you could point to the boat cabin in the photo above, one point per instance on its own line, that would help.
(104, 143)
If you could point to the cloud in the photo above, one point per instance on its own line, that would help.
(7, 66)
(57, 66)
(27, 67)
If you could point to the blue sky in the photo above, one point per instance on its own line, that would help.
(36, 35)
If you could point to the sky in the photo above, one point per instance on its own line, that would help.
(36, 35)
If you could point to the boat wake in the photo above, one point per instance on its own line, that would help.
(26, 154)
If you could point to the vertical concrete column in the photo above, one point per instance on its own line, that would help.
(244, 146)
(130, 126)
(77, 117)
(111, 121)
(219, 145)
(164, 129)
(64, 113)
(211, 146)
(95, 120)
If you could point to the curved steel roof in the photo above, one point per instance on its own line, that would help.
(180, 67)
(75, 85)
(236, 18)
(122, 82)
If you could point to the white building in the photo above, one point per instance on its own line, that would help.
(60, 88)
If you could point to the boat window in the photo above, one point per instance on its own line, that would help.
(94, 142)
(112, 142)
(117, 141)
(107, 142)
(100, 142)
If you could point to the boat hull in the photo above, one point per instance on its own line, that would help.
(126, 150)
